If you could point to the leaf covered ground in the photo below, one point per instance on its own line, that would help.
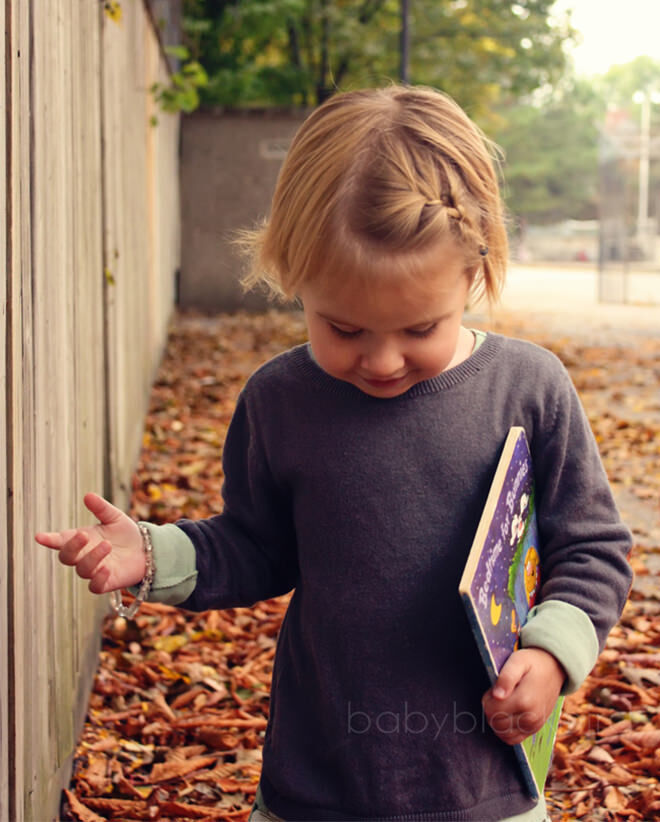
(180, 700)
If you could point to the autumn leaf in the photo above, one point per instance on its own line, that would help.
(173, 770)
(80, 811)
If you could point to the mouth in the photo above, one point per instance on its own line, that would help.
(382, 384)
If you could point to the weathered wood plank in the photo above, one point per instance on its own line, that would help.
(89, 345)
(71, 211)
(50, 424)
(139, 301)
(5, 196)
(21, 395)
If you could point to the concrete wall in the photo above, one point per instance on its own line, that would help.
(229, 166)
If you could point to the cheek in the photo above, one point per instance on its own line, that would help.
(331, 356)
(435, 359)
(439, 353)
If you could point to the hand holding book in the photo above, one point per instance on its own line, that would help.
(499, 587)
(524, 694)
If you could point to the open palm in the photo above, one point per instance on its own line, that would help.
(109, 554)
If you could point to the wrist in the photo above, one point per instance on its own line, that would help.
(128, 612)
(549, 661)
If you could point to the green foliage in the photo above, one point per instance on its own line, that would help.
(245, 50)
(618, 89)
(619, 85)
(182, 92)
(298, 52)
(551, 154)
(486, 51)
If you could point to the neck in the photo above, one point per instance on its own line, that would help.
(464, 347)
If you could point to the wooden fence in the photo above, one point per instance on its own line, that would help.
(89, 190)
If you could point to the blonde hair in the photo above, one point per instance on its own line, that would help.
(374, 179)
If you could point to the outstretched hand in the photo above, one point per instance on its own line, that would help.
(109, 554)
(524, 694)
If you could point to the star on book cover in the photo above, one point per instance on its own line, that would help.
(500, 583)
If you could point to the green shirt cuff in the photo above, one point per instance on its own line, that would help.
(568, 634)
(176, 567)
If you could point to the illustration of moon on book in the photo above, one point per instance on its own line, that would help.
(501, 581)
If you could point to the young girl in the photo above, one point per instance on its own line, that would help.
(356, 469)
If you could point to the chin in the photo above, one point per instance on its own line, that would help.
(384, 388)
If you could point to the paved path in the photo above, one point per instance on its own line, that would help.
(566, 300)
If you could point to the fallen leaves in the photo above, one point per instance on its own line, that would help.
(180, 701)
(607, 755)
(173, 731)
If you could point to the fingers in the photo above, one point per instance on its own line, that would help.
(512, 725)
(98, 582)
(103, 510)
(521, 699)
(515, 726)
(509, 709)
(70, 550)
(82, 549)
(54, 539)
(513, 671)
(88, 565)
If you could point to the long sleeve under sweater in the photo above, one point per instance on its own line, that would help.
(367, 507)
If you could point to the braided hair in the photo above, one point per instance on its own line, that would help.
(373, 181)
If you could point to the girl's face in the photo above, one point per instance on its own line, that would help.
(386, 337)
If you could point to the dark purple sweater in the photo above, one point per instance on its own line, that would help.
(367, 508)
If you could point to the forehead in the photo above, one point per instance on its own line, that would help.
(390, 300)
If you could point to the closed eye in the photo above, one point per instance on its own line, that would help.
(345, 333)
(422, 332)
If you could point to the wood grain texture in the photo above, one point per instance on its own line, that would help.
(5, 196)
(78, 189)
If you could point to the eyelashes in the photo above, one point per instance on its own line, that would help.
(422, 332)
(411, 332)
(346, 335)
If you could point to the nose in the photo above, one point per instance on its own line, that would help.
(382, 359)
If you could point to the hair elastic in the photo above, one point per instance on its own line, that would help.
(483, 250)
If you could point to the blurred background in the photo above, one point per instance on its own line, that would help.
(568, 89)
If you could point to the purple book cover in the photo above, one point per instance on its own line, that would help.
(501, 580)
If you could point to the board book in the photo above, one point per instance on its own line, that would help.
(500, 583)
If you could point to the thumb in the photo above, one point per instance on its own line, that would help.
(512, 672)
(104, 511)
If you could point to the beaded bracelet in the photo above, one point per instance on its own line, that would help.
(147, 581)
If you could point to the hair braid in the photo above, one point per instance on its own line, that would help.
(383, 175)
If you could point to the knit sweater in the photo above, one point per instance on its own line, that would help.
(367, 508)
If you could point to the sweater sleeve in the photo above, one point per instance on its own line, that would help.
(248, 552)
(174, 560)
(585, 545)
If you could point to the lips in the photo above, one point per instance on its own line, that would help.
(384, 384)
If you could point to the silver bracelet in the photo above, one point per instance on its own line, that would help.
(147, 581)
